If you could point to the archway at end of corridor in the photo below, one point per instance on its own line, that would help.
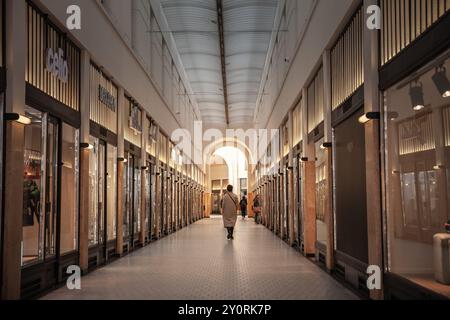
(228, 162)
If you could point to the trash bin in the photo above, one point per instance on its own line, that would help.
(442, 258)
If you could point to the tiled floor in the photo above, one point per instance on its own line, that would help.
(198, 263)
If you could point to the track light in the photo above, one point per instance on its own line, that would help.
(441, 82)
(122, 160)
(438, 167)
(304, 159)
(416, 95)
(368, 117)
(326, 145)
(18, 118)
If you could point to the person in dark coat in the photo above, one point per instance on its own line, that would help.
(243, 204)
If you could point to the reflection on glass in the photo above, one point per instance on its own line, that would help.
(32, 190)
(417, 161)
(69, 189)
(51, 189)
(111, 187)
(93, 193)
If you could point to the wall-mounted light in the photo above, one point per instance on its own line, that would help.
(87, 146)
(439, 167)
(395, 172)
(124, 160)
(441, 82)
(326, 145)
(369, 116)
(17, 118)
(416, 95)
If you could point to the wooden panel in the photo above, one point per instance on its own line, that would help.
(347, 65)
(405, 20)
(44, 43)
(103, 97)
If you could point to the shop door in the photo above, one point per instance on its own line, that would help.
(133, 199)
(149, 201)
(97, 199)
(350, 189)
(131, 204)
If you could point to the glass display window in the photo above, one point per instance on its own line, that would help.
(417, 158)
(321, 193)
(50, 188)
(111, 186)
(69, 189)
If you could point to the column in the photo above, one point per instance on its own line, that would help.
(84, 162)
(120, 168)
(309, 184)
(290, 177)
(328, 137)
(16, 49)
(372, 130)
(144, 141)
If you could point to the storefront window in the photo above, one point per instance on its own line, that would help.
(321, 227)
(69, 189)
(93, 193)
(40, 187)
(417, 132)
(111, 186)
(32, 231)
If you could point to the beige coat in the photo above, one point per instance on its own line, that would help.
(229, 209)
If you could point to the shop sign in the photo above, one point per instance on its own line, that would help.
(107, 98)
(56, 64)
(134, 121)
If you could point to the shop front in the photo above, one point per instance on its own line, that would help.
(416, 154)
(51, 156)
(102, 233)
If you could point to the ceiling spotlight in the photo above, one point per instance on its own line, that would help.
(416, 94)
(441, 82)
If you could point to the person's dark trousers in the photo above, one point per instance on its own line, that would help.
(230, 232)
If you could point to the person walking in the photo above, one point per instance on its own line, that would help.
(243, 205)
(230, 207)
(257, 209)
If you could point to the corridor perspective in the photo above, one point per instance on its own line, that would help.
(182, 267)
(250, 150)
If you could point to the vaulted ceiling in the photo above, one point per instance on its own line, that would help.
(223, 45)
